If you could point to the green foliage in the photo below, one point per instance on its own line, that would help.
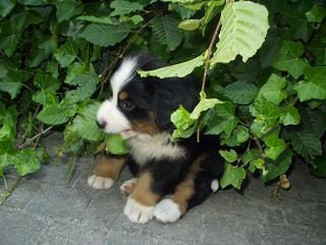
(264, 100)
(244, 28)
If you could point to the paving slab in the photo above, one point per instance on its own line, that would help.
(49, 208)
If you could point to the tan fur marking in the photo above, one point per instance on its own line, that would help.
(186, 189)
(123, 95)
(147, 127)
(142, 192)
(109, 166)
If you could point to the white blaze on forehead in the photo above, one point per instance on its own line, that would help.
(123, 75)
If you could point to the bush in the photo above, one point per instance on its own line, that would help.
(265, 99)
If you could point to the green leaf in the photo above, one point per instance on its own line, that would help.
(66, 53)
(12, 29)
(250, 155)
(273, 89)
(233, 176)
(6, 6)
(239, 135)
(189, 25)
(104, 35)
(74, 70)
(290, 116)
(166, 31)
(8, 129)
(275, 145)
(241, 92)
(86, 86)
(254, 159)
(48, 87)
(220, 119)
(26, 161)
(122, 7)
(95, 19)
(13, 81)
(116, 145)
(289, 59)
(178, 70)
(185, 126)
(258, 163)
(266, 115)
(41, 48)
(66, 9)
(183, 11)
(320, 168)
(314, 121)
(56, 114)
(34, 2)
(84, 125)
(203, 105)
(244, 29)
(315, 86)
(306, 144)
(6, 160)
(276, 168)
(316, 14)
(230, 156)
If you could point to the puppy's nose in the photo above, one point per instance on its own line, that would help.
(100, 124)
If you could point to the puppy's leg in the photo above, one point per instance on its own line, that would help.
(106, 171)
(142, 200)
(193, 190)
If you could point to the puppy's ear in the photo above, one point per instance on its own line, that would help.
(169, 95)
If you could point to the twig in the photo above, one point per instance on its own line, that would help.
(260, 148)
(208, 55)
(28, 141)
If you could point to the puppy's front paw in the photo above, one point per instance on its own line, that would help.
(127, 186)
(99, 182)
(137, 212)
(167, 211)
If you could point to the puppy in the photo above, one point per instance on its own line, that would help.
(171, 177)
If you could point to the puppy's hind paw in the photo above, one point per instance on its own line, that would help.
(127, 186)
(99, 182)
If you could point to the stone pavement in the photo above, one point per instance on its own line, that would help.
(49, 208)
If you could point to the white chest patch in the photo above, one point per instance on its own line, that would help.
(145, 147)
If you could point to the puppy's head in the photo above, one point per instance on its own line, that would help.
(144, 105)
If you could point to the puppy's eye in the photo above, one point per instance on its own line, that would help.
(126, 105)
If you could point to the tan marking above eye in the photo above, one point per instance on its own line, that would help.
(123, 95)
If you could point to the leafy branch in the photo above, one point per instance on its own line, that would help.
(267, 89)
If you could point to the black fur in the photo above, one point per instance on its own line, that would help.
(163, 97)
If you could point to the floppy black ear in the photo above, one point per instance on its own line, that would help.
(169, 95)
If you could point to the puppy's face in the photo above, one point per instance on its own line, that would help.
(142, 105)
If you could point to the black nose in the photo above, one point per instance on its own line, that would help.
(100, 124)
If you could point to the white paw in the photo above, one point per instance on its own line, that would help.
(137, 212)
(127, 186)
(167, 211)
(98, 182)
(215, 185)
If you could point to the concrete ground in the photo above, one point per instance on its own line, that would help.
(49, 208)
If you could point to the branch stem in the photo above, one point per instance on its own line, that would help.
(28, 141)
(208, 55)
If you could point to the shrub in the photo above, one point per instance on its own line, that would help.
(265, 62)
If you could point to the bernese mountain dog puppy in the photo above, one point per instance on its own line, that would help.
(170, 177)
